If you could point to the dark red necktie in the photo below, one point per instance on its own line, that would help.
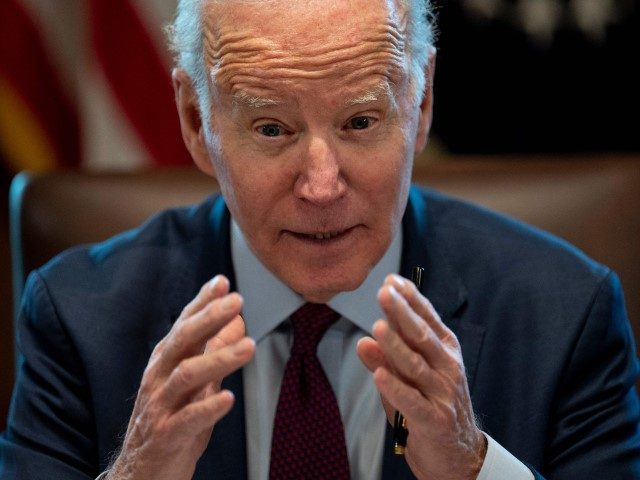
(308, 435)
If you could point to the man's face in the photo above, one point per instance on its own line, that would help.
(312, 134)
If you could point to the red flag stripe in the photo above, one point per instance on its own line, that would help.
(138, 78)
(25, 65)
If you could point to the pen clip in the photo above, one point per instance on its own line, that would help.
(416, 276)
(400, 432)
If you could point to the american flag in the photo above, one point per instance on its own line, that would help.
(86, 84)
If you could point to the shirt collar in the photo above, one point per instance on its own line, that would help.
(268, 301)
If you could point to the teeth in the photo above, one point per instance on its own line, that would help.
(323, 236)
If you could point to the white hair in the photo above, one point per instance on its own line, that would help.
(186, 37)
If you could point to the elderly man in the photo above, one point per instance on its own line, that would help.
(309, 115)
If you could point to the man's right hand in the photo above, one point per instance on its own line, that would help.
(180, 400)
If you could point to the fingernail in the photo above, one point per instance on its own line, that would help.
(228, 303)
(243, 344)
(213, 283)
(219, 283)
(393, 292)
(398, 282)
(377, 325)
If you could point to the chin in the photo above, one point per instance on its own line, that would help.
(321, 291)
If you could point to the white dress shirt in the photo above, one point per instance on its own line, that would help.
(268, 303)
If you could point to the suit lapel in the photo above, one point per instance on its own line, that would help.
(422, 247)
(426, 246)
(225, 456)
(445, 290)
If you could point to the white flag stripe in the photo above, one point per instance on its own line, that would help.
(102, 88)
(156, 15)
(108, 141)
(63, 29)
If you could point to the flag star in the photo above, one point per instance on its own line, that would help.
(540, 19)
(593, 17)
(484, 9)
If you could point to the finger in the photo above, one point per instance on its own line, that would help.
(194, 374)
(413, 329)
(230, 333)
(389, 410)
(419, 303)
(190, 336)
(405, 362)
(404, 398)
(373, 358)
(203, 414)
(370, 354)
(215, 288)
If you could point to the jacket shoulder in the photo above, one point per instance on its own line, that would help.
(490, 244)
(163, 237)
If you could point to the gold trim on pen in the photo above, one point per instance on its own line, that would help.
(400, 432)
(398, 449)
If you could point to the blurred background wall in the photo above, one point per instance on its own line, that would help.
(85, 84)
(538, 76)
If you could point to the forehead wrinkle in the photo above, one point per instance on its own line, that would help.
(246, 83)
(234, 42)
(237, 54)
(378, 62)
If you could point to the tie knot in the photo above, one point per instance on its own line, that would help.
(310, 322)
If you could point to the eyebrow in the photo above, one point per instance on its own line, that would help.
(252, 101)
(382, 90)
(372, 95)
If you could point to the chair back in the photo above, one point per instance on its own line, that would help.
(593, 203)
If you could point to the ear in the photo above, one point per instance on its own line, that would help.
(426, 106)
(191, 120)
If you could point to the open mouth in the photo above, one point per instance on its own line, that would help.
(325, 236)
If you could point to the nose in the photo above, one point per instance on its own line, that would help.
(320, 180)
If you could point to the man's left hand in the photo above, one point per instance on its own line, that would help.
(417, 367)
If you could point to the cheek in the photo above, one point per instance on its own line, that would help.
(387, 177)
(254, 193)
(390, 190)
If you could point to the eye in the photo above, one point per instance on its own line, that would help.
(271, 130)
(359, 123)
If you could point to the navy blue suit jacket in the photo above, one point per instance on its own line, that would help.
(548, 351)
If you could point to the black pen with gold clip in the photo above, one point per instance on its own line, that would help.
(400, 432)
